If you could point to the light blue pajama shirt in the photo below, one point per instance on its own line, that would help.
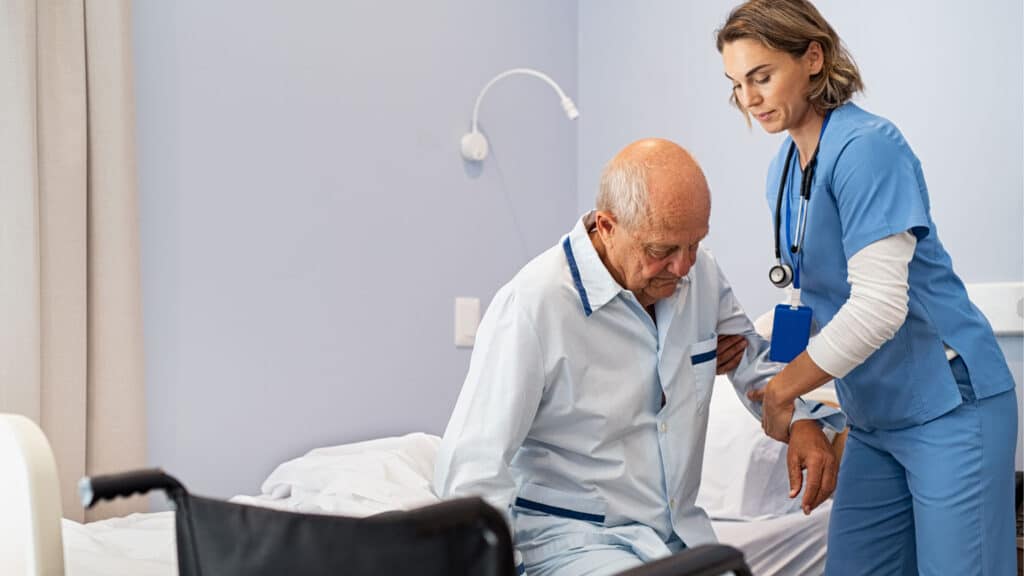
(560, 421)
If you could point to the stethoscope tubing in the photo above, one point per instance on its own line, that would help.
(785, 272)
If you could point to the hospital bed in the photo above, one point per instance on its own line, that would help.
(460, 537)
(744, 490)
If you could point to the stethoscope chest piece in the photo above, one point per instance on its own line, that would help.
(781, 275)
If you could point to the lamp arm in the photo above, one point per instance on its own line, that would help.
(567, 104)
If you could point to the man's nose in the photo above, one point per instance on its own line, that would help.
(680, 263)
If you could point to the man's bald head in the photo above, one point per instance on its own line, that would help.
(653, 178)
(652, 212)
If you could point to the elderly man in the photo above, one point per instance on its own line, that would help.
(585, 408)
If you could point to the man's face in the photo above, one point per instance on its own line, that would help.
(652, 257)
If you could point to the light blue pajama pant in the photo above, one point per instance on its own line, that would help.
(556, 546)
(933, 499)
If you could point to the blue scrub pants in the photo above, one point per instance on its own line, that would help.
(933, 499)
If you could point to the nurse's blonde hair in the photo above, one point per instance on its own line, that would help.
(791, 26)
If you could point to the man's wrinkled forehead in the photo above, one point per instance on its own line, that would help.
(687, 216)
(662, 230)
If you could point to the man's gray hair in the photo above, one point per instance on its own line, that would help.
(623, 192)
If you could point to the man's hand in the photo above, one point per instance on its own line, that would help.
(776, 411)
(809, 450)
(730, 352)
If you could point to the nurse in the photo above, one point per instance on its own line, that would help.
(926, 482)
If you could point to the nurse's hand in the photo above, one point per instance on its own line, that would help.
(810, 450)
(776, 411)
(730, 352)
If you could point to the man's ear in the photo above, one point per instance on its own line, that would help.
(605, 223)
(814, 58)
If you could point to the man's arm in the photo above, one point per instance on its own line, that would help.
(809, 448)
(754, 370)
(495, 409)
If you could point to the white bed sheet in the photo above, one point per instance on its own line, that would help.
(134, 545)
(790, 545)
(388, 474)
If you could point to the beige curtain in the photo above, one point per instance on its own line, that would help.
(71, 324)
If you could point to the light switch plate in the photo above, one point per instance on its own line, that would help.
(467, 318)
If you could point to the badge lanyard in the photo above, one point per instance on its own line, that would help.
(796, 248)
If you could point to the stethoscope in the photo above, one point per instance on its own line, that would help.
(781, 274)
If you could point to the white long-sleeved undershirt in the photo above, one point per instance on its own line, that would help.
(877, 306)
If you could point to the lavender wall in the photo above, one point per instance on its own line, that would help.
(307, 219)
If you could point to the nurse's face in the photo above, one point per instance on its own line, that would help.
(770, 84)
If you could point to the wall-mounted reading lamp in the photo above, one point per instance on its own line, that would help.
(474, 145)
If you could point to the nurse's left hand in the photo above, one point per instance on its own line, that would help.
(810, 450)
(730, 352)
(776, 411)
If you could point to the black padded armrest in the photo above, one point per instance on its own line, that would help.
(706, 560)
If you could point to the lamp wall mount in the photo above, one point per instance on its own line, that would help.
(474, 145)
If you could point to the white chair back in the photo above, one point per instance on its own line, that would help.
(30, 507)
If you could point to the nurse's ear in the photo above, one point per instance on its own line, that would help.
(813, 59)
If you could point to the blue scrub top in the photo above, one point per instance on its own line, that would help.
(868, 185)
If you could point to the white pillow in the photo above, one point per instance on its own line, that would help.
(744, 475)
(355, 479)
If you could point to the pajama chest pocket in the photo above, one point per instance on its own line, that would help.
(703, 362)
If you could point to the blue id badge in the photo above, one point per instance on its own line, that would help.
(790, 332)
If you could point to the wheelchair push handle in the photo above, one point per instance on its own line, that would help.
(93, 489)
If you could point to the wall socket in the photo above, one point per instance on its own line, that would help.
(467, 318)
